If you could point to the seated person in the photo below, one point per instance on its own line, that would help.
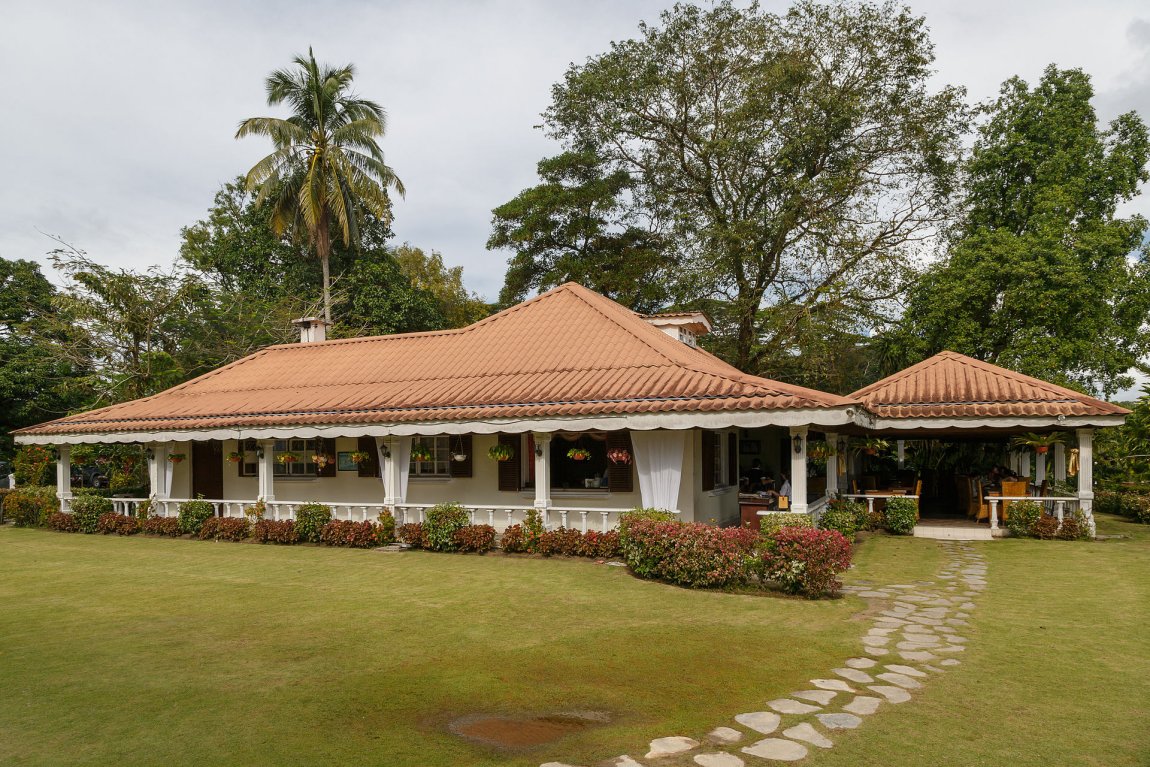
(755, 474)
(786, 488)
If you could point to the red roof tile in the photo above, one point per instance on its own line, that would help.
(567, 352)
(954, 385)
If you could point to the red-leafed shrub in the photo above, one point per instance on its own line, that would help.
(344, 532)
(31, 506)
(225, 529)
(600, 545)
(169, 526)
(118, 524)
(477, 538)
(272, 531)
(64, 523)
(691, 554)
(806, 561)
(563, 541)
(514, 541)
(412, 535)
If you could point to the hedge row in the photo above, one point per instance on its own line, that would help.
(1135, 506)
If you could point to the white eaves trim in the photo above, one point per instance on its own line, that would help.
(1002, 422)
(814, 417)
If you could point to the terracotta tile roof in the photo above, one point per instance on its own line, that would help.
(567, 352)
(954, 385)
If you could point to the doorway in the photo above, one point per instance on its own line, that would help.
(208, 469)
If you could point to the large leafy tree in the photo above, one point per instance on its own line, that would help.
(327, 165)
(792, 165)
(1043, 276)
(427, 272)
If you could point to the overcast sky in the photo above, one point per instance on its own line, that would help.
(118, 117)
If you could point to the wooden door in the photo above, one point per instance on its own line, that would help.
(208, 469)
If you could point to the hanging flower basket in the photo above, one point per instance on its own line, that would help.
(234, 457)
(459, 457)
(320, 460)
(819, 451)
(177, 457)
(420, 453)
(360, 456)
(501, 452)
(286, 458)
(579, 454)
(619, 456)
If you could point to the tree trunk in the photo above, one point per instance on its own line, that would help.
(323, 250)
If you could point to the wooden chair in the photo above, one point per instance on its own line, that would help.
(1020, 488)
(978, 500)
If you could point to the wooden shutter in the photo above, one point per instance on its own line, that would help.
(510, 471)
(370, 467)
(732, 459)
(326, 447)
(461, 444)
(620, 475)
(707, 460)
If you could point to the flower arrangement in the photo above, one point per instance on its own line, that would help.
(320, 460)
(579, 454)
(420, 452)
(234, 457)
(287, 458)
(177, 457)
(619, 455)
(360, 456)
(501, 452)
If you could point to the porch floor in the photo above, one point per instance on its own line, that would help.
(952, 529)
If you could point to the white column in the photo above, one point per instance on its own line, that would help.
(901, 453)
(833, 463)
(266, 469)
(1086, 475)
(542, 459)
(64, 475)
(395, 459)
(1039, 468)
(155, 479)
(1024, 464)
(1060, 463)
(798, 470)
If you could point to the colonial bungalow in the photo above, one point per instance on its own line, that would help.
(568, 403)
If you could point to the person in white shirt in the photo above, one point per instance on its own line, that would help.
(786, 488)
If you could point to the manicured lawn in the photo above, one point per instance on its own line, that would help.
(144, 651)
(1058, 671)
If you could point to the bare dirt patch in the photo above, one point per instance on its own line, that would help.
(515, 733)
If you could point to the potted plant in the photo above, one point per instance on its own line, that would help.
(320, 460)
(177, 457)
(420, 452)
(819, 452)
(1039, 443)
(874, 446)
(579, 454)
(501, 452)
(360, 456)
(234, 457)
(287, 458)
(619, 455)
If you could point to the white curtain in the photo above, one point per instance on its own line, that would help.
(398, 464)
(659, 461)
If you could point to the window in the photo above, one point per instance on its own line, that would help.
(717, 456)
(303, 450)
(570, 474)
(249, 467)
(439, 463)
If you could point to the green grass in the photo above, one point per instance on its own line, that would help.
(151, 651)
(144, 651)
(1058, 670)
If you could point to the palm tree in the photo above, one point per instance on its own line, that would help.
(327, 164)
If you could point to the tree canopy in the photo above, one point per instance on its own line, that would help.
(785, 167)
(1042, 275)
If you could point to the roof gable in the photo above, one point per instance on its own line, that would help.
(569, 351)
(950, 384)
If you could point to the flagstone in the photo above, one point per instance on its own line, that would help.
(908, 670)
(788, 706)
(861, 662)
(918, 656)
(839, 721)
(832, 684)
(854, 675)
(764, 722)
(778, 749)
(902, 680)
(718, 759)
(863, 705)
(671, 745)
(892, 694)
(822, 697)
(724, 735)
(806, 732)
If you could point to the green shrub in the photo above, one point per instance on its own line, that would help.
(88, 509)
(309, 521)
(31, 506)
(441, 523)
(193, 514)
(144, 509)
(32, 465)
(900, 515)
(844, 516)
(692, 554)
(639, 514)
(771, 523)
(1108, 502)
(1022, 518)
(532, 529)
(385, 528)
(806, 562)
(1074, 527)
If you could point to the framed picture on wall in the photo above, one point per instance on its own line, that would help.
(750, 446)
(343, 462)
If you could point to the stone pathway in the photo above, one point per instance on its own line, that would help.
(917, 635)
